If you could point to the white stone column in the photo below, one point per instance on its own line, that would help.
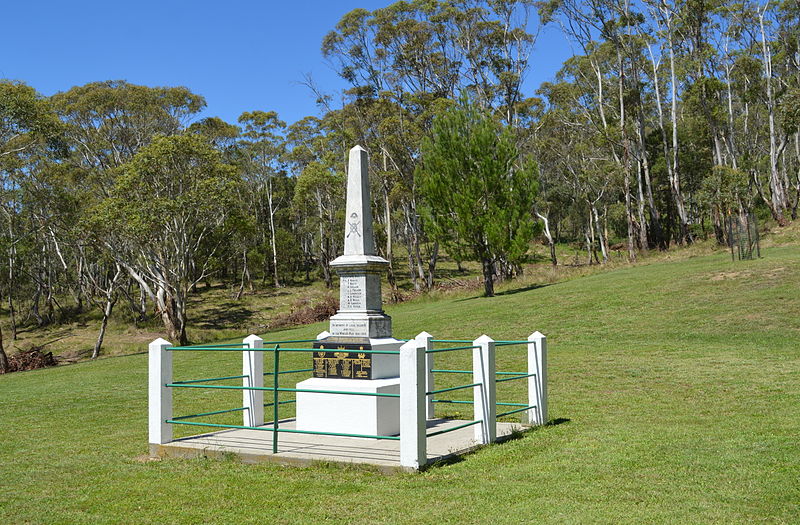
(253, 370)
(413, 451)
(159, 397)
(426, 340)
(537, 384)
(483, 372)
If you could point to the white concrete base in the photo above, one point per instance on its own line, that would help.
(385, 366)
(346, 413)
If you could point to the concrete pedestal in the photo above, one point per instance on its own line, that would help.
(346, 413)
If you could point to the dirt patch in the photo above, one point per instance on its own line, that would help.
(723, 276)
(305, 312)
(30, 359)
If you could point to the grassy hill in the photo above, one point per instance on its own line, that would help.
(675, 386)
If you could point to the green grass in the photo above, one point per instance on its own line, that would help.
(675, 385)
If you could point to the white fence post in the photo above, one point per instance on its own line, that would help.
(537, 384)
(413, 429)
(253, 370)
(483, 372)
(159, 397)
(425, 339)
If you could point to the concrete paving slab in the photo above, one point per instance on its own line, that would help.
(254, 446)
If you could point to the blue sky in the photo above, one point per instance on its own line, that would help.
(241, 55)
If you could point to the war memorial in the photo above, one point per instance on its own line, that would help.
(370, 399)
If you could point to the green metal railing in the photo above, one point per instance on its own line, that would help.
(275, 389)
(275, 348)
(513, 376)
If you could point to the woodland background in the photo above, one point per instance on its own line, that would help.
(672, 117)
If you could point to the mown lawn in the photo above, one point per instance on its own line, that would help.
(674, 386)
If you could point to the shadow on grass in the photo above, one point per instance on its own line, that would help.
(513, 436)
(225, 316)
(506, 292)
(524, 289)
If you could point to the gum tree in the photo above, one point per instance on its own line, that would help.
(168, 214)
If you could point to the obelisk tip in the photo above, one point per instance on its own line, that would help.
(357, 148)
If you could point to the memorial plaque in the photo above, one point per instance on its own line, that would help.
(343, 358)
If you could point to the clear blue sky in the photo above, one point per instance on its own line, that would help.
(241, 55)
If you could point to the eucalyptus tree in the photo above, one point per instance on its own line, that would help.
(262, 148)
(167, 215)
(318, 202)
(604, 31)
(29, 132)
(105, 125)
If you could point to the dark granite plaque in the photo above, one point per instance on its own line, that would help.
(343, 358)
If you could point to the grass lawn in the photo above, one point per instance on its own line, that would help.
(675, 386)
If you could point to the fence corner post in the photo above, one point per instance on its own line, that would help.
(426, 340)
(537, 384)
(413, 429)
(253, 370)
(483, 372)
(159, 396)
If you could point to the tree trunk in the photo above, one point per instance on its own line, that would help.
(432, 265)
(778, 202)
(601, 238)
(549, 237)
(13, 318)
(3, 357)
(488, 277)
(111, 300)
(389, 247)
(103, 325)
(272, 234)
(675, 182)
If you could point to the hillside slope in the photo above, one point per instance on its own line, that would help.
(674, 389)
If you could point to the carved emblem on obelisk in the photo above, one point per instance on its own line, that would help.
(353, 223)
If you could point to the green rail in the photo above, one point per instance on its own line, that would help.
(289, 371)
(287, 402)
(211, 413)
(217, 349)
(435, 350)
(452, 388)
(496, 343)
(470, 371)
(461, 402)
(275, 402)
(515, 411)
(454, 401)
(293, 341)
(270, 389)
(393, 352)
(242, 349)
(189, 381)
(445, 431)
(513, 378)
(278, 430)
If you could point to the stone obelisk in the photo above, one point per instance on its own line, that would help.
(360, 313)
(344, 360)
